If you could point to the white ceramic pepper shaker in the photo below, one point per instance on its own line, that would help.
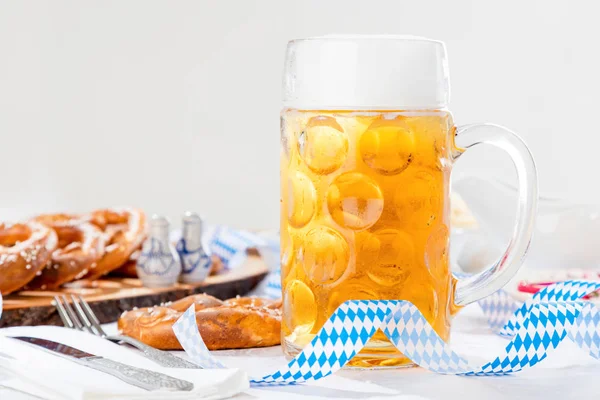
(159, 264)
(195, 260)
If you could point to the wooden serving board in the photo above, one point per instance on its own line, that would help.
(109, 297)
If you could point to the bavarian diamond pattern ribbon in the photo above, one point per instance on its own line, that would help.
(231, 244)
(535, 328)
(559, 292)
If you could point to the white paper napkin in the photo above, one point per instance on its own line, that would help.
(47, 376)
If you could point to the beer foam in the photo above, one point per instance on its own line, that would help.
(366, 72)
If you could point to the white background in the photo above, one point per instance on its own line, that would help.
(174, 105)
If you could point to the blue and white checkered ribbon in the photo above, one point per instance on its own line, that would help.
(231, 244)
(535, 328)
(272, 288)
(273, 285)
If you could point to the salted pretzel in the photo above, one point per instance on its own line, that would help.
(80, 245)
(129, 269)
(24, 250)
(124, 231)
(238, 323)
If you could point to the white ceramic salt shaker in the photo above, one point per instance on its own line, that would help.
(158, 264)
(195, 260)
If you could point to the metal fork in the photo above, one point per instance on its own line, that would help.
(81, 317)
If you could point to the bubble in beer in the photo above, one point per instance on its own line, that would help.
(301, 200)
(418, 199)
(387, 146)
(436, 252)
(393, 256)
(431, 146)
(323, 145)
(324, 254)
(287, 251)
(354, 201)
(299, 307)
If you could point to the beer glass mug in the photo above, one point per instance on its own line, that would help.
(367, 146)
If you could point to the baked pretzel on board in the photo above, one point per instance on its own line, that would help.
(124, 231)
(80, 245)
(24, 250)
(129, 269)
(238, 323)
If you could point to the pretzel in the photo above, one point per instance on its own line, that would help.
(238, 323)
(80, 245)
(24, 251)
(129, 269)
(124, 231)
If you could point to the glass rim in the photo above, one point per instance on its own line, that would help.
(365, 37)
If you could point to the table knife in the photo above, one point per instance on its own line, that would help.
(142, 378)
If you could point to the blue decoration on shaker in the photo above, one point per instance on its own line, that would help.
(535, 328)
(155, 259)
(195, 260)
(158, 264)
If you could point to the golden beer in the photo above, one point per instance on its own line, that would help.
(364, 216)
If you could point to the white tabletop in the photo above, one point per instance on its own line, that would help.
(567, 373)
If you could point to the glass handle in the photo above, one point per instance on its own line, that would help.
(496, 276)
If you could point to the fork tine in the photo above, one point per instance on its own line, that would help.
(71, 313)
(62, 313)
(82, 316)
(91, 316)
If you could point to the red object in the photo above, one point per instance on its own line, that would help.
(534, 287)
